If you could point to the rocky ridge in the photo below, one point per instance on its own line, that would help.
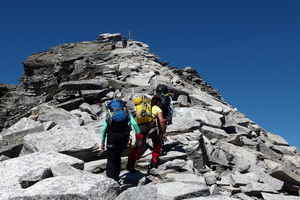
(50, 132)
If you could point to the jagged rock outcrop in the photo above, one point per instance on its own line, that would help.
(50, 132)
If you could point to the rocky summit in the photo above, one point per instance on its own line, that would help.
(51, 123)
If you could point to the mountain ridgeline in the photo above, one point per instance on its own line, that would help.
(51, 122)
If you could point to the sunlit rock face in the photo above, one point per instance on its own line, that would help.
(51, 123)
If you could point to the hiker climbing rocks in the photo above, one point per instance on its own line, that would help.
(146, 118)
(166, 104)
(116, 127)
(124, 41)
(113, 44)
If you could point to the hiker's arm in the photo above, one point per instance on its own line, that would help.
(103, 134)
(162, 125)
(134, 124)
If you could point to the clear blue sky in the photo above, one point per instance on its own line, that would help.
(247, 49)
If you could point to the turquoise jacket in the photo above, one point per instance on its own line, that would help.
(132, 122)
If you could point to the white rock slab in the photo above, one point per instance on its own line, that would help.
(179, 190)
(186, 178)
(186, 119)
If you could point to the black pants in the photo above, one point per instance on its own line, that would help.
(116, 144)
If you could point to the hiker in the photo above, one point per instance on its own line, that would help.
(116, 127)
(150, 129)
(166, 106)
(113, 44)
(124, 41)
(166, 103)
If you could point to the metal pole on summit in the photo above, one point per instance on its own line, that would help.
(129, 35)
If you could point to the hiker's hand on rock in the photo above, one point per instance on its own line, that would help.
(102, 146)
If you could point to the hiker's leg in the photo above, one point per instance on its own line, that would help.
(112, 162)
(114, 151)
(122, 140)
(134, 155)
(156, 140)
(156, 152)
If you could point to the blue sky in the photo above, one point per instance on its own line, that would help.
(247, 49)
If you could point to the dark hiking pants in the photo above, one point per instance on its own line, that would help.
(148, 130)
(116, 144)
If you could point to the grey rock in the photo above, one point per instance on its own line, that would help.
(268, 152)
(11, 140)
(93, 84)
(179, 190)
(34, 175)
(85, 107)
(11, 170)
(276, 139)
(85, 186)
(215, 197)
(94, 96)
(48, 125)
(84, 116)
(242, 165)
(59, 116)
(242, 196)
(268, 196)
(96, 166)
(183, 100)
(285, 174)
(239, 152)
(137, 193)
(210, 178)
(175, 164)
(211, 132)
(25, 125)
(237, 129)
(141, 79)
(292, 160)
(209, 100)
(172, 155)
(214, 190)
(238, 179)
(3, 157)
(186, 178)
(269, 180)
(235, 117)
(64, 169)
(194, 115)
(255, 189)
(109, 36)
(71, 104)
(74, 142)
(284, 150)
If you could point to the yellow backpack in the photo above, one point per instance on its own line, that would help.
(143, 110)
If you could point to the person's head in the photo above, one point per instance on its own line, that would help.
(156, 100)
(162, 89)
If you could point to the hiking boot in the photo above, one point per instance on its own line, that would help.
(130, 167)
(153, 166)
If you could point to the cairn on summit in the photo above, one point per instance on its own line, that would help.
(51, 122)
